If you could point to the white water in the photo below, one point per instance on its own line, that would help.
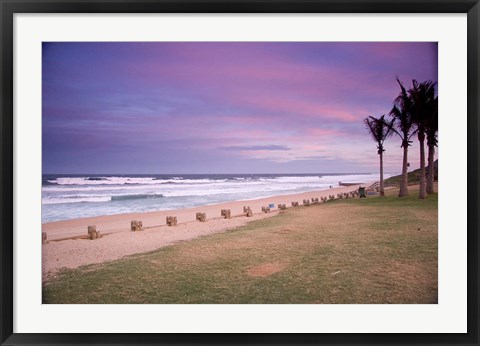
(75, 197)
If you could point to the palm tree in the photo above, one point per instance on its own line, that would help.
(379, 129)
(402, 115)
(432, 141)
(423, 96)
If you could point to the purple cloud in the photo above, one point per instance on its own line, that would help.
(248, 106)
(257, 147)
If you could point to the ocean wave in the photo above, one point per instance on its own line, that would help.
(97, 199)
(128, 181)
(83, 189)
(136, 196)
(63, 200)
(175, 186)
(287, 179)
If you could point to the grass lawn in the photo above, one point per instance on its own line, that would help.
(369, 250)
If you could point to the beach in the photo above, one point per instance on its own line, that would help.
(230, 173)
(339, 252)
(119, 241)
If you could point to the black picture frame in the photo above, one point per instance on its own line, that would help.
(10, 7)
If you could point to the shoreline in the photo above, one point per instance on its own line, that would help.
(121, 222)
(119, 241)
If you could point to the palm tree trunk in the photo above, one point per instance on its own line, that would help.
(423, 191)
(404, 182)
(431, 169)
(382, 190)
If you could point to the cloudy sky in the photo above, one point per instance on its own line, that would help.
(223, 107)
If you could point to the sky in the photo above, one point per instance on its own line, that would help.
(223, 107)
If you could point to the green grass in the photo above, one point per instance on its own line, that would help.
(369, 250)
(413, 176)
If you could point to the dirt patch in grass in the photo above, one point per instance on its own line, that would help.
(266, 269)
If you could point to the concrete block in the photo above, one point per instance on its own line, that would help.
(171, 220)
(202, 217)
(92, 232)
(226, 213)
(136, 226)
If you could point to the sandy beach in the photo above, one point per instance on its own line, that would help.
(118, 241)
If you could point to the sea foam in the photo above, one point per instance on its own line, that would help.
(66, 197)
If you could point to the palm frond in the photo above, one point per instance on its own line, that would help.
(424, 104)
(380, 129)
(402, 114)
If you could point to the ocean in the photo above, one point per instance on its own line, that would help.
(67, 197)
